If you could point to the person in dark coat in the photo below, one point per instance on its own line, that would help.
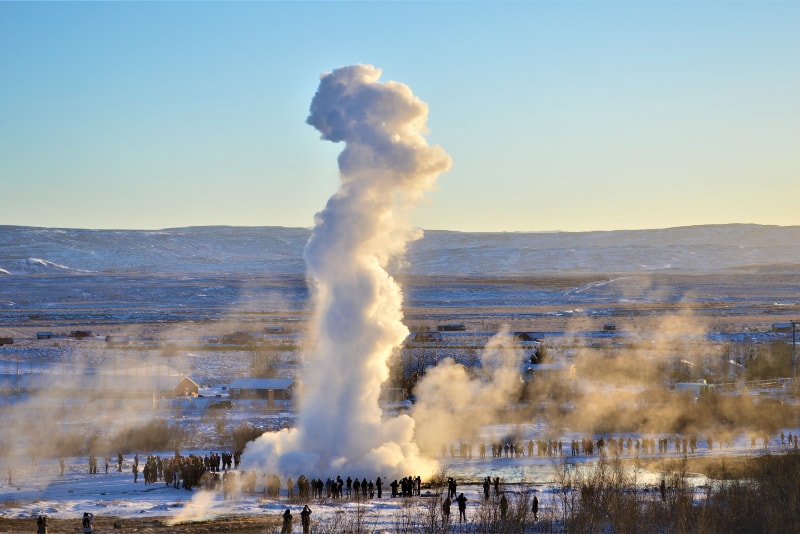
(462, 507)
(41, 525)
(305, 519)
(87, 522)
(535, 508)
(287, 522)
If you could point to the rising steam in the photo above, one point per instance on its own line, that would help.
(385, 169)
(454, 404)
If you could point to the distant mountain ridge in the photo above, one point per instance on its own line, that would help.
(277, 250)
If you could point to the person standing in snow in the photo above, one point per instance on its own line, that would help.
(462, 507)
(305, 519)
(87, 523)
(41, 525)
(287, 522)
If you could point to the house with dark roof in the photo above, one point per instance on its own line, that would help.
(271, 389)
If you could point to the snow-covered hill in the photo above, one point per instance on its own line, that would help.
(278, 250)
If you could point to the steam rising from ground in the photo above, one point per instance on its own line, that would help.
(454, 405)
(385, 168)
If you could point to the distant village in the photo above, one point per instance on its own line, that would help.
(271, 383)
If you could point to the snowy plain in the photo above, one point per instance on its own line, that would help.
(188, 279)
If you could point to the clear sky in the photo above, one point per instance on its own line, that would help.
(558, 115)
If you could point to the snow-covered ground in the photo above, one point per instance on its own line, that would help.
(28, 491)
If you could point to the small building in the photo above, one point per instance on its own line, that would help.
(44, 335)
(271, 389)
(6, 340)
(426, 337)
(274, 329)
(117, 340)
(784, 328)
(451, 328)
(186, 387)
(609, 327)
(80, 334)
(238, 338)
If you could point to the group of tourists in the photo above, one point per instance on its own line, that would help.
(513, 448)
(178, 471)
(305, 520)
(338, 488)
(461, 501)
(86, 523)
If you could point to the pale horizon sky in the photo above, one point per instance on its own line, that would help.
(570, 116)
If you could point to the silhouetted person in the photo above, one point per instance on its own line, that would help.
(305, 518)
(287, 522)
(41, 525)
(462, 507)
(535, 508)
(87, 522)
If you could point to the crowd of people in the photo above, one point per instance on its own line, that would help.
(220, 471)
(182, 471)
(513, 448)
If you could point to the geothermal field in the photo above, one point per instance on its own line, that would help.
(624, 380)
(614, 356)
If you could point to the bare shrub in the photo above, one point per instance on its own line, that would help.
(242, 434)
(151, 436)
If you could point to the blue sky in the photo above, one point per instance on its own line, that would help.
(558, 115)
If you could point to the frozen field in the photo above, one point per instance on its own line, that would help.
(175, 307)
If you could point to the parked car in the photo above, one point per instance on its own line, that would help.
(222, 405)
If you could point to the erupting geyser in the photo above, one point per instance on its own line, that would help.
(385, 169)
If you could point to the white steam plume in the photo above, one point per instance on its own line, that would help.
(385, 169)
(453, 404)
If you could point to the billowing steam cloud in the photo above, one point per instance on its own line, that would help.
(385, 168)
(452, 403)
